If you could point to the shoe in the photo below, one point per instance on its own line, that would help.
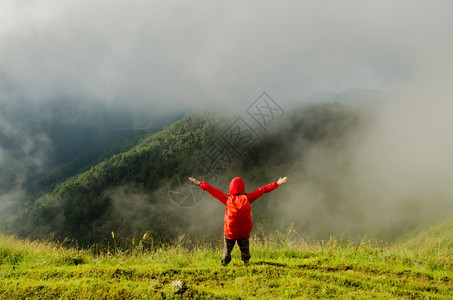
(246, 263)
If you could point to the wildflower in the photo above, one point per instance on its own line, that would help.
(178, 286)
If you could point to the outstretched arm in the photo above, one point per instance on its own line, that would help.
(216, 193)
(282, 180)
(265, 189)
(193, 180)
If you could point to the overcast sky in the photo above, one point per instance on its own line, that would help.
(195, 54)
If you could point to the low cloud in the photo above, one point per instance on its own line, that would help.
(385, 177)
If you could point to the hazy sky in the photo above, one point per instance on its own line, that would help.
(211, 54)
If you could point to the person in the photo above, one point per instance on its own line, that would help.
(238, 216)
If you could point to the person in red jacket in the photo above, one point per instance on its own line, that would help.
(238, 216)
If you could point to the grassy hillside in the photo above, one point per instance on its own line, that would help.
(437, 241)
(281, 267)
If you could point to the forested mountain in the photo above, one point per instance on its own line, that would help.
(86, 160)
(79, 207)
(43, 142)
(128, 193)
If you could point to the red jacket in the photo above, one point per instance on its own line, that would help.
(238, 216)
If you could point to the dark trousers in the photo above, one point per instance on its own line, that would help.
(228, 245)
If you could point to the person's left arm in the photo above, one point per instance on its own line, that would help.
(216, 193)
(265, 189)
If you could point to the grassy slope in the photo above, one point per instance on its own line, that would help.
(279, 268)
(436, 242)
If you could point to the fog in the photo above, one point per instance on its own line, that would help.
(177, 55)
(390, 176)
(165, 58)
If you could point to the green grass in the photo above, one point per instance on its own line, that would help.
(280, 268)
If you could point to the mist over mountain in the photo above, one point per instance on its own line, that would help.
(338, 181)
(41, 143)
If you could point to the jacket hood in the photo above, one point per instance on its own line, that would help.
(237, 186)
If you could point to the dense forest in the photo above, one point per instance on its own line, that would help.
(130, 193)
